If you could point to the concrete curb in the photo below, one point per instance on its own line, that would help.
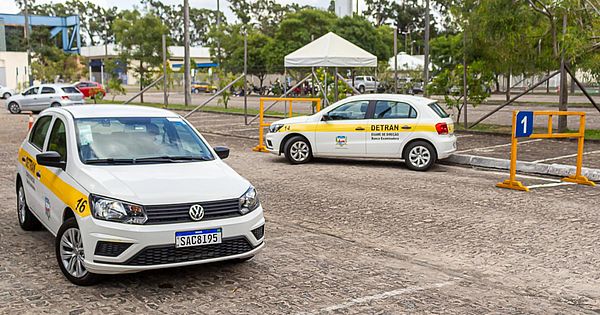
(522, 166)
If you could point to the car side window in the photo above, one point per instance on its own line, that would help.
(58, 139)
(350, 110)
(32, 91)
(39, 131)
(48, 90)
(390, 110)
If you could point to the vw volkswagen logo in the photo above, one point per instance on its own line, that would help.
(196, 212)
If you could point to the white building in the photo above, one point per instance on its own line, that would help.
(97, 54)
(13, 69)
(343, 7)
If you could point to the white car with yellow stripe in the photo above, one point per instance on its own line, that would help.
(412, 128)
(127, 188)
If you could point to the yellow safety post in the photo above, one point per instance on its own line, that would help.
(261, 125)
(512, 183)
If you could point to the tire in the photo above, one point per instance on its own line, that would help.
(14, 108)
(55, 104)
(196, 91)
(361, 89)
(27, 220)
(68, 244)
(419, 156)
(297, 150)
(6, 95)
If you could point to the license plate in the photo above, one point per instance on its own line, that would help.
(198, 238)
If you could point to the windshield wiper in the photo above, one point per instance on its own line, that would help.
(168, 158)
(110, 161)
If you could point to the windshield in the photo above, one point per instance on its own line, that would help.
(135, 140)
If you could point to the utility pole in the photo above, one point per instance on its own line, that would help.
(28, 43)
(426, 59)
(218, 28)
(246, 77)
(396, 59)
(165, 92)
(564, 93)
(186, 44)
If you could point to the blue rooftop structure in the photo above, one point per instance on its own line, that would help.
(67, 27)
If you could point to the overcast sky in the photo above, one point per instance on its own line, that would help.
(209, 4)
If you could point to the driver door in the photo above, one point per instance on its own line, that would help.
(344, 133)
(30, 98)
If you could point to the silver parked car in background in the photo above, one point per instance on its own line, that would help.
(40, 97)
(6, 92)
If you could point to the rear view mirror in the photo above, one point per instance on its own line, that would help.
(51, 159)
(222, 152)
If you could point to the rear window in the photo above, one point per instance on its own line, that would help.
(439, 110)
(70, 90)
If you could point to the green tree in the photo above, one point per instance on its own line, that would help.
(359, 31)
(140, 43)
(51, 64)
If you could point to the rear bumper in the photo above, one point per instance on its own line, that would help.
(445, 146)
(69, 102)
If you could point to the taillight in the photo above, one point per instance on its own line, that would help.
(442, 128)
(65, 97)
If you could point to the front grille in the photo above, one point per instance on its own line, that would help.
(168, 254)
(220, 209)
(110, 249)
(259, 232)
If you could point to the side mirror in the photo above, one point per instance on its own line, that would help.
(51, 159)
(222, 152)
(325, 117)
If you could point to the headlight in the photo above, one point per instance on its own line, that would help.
(275, 127)
(249, 201)
(119, 211)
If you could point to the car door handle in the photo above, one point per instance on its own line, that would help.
(359, 128)
(23, 159)
(406, 127)
(38, 174)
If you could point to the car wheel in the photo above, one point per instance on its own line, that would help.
(70, 255)
(361, 89)
(297, 150)
(196, 91)
(419, 156)
(14, 108)
(6, 95)
(55, 104)
(27, 220)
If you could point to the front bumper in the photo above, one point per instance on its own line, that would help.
(445, 146)
(273, 141)
(153, 246)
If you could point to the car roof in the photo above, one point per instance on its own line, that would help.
(417, 100)
(112, 110)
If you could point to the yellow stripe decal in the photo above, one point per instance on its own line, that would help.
(368, 128)
(75, 199)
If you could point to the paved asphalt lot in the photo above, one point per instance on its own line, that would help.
(345, 237)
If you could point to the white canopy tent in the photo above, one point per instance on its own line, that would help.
(330, 50)
(407, 62)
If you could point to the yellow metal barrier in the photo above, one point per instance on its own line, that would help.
(512, 183)
(261, 147)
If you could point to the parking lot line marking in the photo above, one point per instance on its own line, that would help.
(381, 296)
(564, 157)
(506, 174)
(463, 136)
(551, 185)
(498, 146)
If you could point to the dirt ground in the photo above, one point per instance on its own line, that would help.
(344, 237)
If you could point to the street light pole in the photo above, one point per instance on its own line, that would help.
(28, 43)
(426, 59)
(186, 44)
(396, 59)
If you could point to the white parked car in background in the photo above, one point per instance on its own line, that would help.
(364, 83)
(412, 128)
(6, 92)
(40, 97)
(128, 188)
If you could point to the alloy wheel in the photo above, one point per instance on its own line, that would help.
(71, 252)
(22, 206)
(299, 151)
(419, 156)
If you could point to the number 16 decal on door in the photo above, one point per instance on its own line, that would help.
(524, 127)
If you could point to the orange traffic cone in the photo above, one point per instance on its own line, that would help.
(30, 121)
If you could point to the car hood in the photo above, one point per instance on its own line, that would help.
(295, 120)
(153, 184)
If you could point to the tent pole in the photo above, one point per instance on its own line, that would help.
(325, 101)
(325, 91)
(335, 85)
(285, 89)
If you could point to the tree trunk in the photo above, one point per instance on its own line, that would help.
(142, 84)
(508, 84)
(497, 82)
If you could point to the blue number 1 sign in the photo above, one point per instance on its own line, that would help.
(524, 127)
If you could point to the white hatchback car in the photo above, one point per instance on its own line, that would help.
(412, 128)
(40, 97)
(127, 188)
